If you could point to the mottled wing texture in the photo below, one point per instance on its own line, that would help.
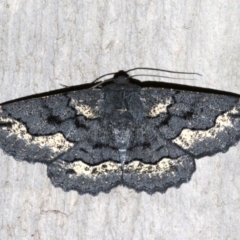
(198, 123)
(179, 126)
(143, 138)
(58, 130)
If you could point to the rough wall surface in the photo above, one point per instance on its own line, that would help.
(47, 43)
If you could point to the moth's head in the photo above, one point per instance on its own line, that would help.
(121, 77)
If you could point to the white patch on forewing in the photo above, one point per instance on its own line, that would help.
(187, 137)
(161, 167)
(234, 111)
(84, 109)
(56, 142)
(159, 108)
(84, 169)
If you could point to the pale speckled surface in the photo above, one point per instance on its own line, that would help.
(45, 43)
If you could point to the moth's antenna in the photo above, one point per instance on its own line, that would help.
(162, 70)
(103, 76)
(100, 83)
(160, 76)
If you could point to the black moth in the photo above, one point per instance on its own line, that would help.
(141, 135)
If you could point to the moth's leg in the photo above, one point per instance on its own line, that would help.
(63, 85)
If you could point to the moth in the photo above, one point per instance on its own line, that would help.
(143, 135)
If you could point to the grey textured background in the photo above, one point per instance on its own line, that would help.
(47, 43)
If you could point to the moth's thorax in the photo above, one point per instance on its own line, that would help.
(121, 98)
(124, 112)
